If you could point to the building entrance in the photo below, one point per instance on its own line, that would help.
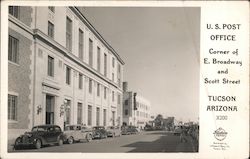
(50, 104)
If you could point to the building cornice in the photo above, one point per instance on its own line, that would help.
(36, 33)
(96, 33)
(20, 24)
(52, 43)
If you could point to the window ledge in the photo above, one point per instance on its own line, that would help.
(12, 121)
(13, 63)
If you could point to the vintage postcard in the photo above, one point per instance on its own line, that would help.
(127, 79)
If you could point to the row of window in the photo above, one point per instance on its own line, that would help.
(142, 106)
(81, 46)
(50, 105)
(142, 114)
(13, 53)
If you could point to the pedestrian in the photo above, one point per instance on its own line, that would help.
(183, 135)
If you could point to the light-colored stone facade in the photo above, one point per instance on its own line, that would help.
(46, 96)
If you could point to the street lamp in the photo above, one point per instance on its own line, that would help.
(64, 107)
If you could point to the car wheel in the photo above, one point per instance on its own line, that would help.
(16, 145)
(89, 137)
(70, 140)
(38, 144)
(60, 142)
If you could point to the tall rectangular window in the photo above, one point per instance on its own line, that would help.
(52, 9)
(50, 107)
(113, 118)
(14, 11)
(97, 116)
(98, 89)
(105, 93)
(113, 62)
(126, 111)
(50, 30)
(12, 107)
(90, 86)
(69, 34)
(79, 113)
(80, 44)
(50, 66)
(89, 115)
(119, 74)
(119, 99)
(113, 77)
(67, 111)
(113, 96)
(90, 52)
(98, 59)
(68, 74)
(105, 64)
(104, 117)
(13, 52)
(80, 81)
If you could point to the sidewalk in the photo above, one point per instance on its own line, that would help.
(189, 146)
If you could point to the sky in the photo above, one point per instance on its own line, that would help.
(160, 48)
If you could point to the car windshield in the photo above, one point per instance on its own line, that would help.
(98, 128)
(69, 128)
(38, 129)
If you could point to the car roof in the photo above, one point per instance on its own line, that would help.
(46, 126)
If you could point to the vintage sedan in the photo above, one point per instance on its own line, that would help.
(74, 133)
(113, 131)
(99, 132)
(128, 130)
(40, 135)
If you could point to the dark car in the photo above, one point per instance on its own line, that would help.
(127, 130)
(40, 135)
(99, 132)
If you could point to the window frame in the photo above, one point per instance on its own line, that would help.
(91, 52)
(80, 81)
(13, 51)
(98, 59)
(51, 72)
(10, 107)
(90, 86)
(69, 34)
(80, 44)
(68, 75)
(12, 12)
(51, 29)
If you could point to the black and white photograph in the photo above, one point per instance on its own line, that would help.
(96, 79)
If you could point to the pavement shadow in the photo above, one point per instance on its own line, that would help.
(165, 143)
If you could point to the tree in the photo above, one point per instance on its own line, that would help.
(158, 120)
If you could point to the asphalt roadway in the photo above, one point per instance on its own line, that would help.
(151, 141)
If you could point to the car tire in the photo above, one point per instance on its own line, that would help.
(89, 137)
(70, 140)
(38, 144)
(60, 142)
(17, 141)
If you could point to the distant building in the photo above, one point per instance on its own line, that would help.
(136, 109)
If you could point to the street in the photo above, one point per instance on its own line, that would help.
(151, 141)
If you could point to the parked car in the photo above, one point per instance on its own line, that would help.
(127, 130)
(99, 132)
(39, 136)
(177, 130)
(74, 133)
(113, 131)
